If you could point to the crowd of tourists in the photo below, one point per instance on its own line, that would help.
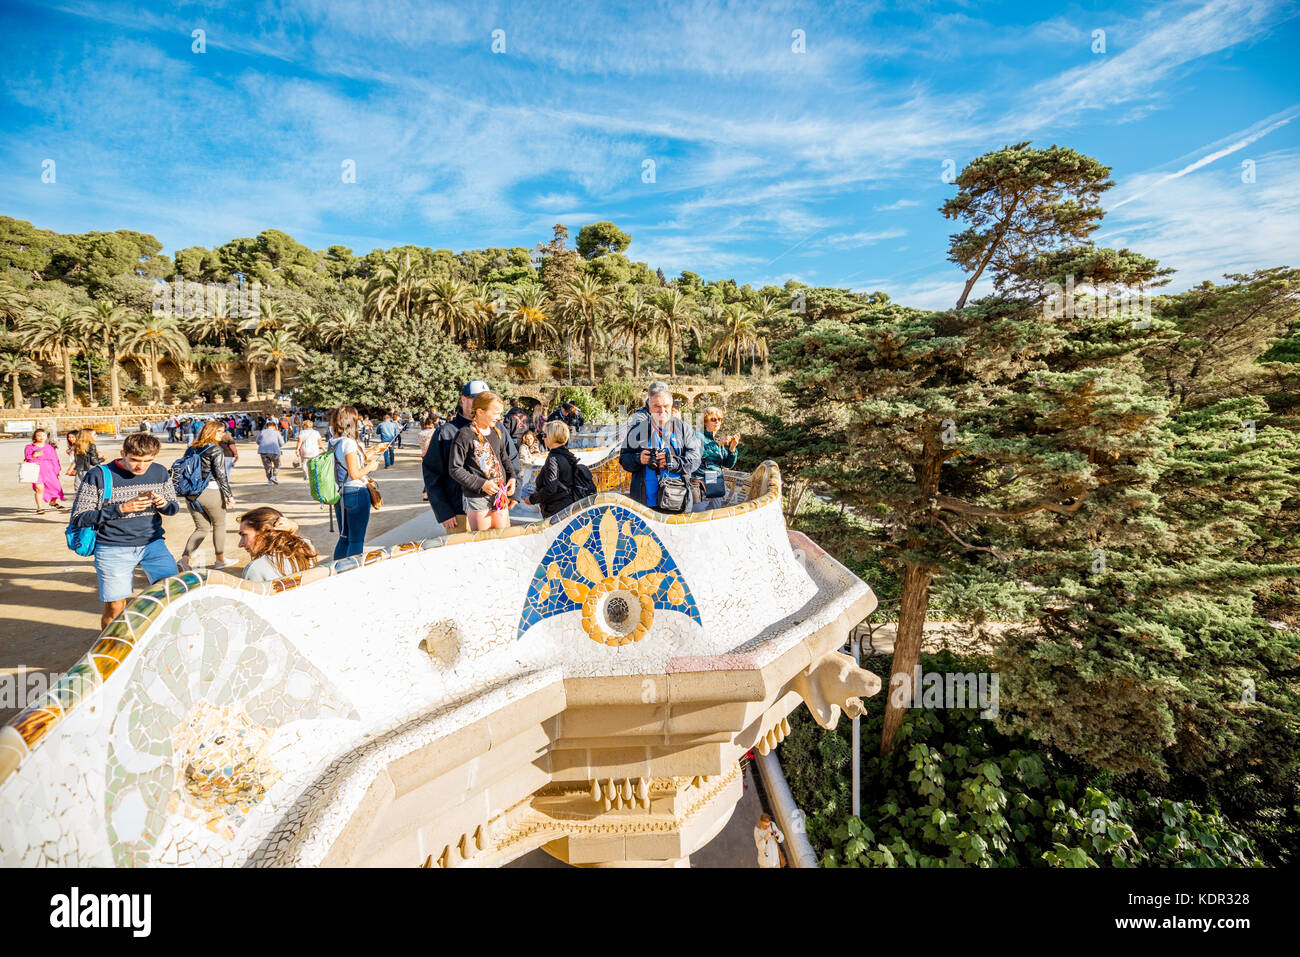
(470, 462)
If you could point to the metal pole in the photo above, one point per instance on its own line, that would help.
(856, 644)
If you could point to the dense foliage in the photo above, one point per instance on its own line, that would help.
(958, 793)
(528, 309)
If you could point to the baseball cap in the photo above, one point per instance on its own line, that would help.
(474, 388)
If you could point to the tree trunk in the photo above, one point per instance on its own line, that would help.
(67, 378)
(18, 394)
(913, 603)
(252, 378)
(114, 395)
(907, 650)
(591, 354)
(277, 379)
(636, 357)
(672, 355)
(737, 362)
(155, 374)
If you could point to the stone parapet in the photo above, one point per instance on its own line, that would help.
(368, 713)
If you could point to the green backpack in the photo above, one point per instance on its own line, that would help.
(320, 476)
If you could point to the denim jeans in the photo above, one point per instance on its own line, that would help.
(115, 566)
(389, 455)
(352, 512)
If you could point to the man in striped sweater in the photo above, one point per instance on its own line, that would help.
(128, 527)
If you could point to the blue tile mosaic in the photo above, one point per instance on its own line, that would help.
(563, 553)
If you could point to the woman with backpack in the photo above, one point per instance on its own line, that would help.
(480, 464)
(208, 505)
(351, 466)
(562, 480)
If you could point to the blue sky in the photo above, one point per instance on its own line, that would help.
(769, 164)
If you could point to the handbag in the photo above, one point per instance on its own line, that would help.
(674, 494)
(82, 540)
(29, 472)
(376, 500)
(715, 486)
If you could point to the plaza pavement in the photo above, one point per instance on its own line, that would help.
(49, 608)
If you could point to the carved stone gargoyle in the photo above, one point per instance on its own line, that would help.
(833, 684)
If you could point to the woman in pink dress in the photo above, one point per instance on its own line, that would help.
(49, 488)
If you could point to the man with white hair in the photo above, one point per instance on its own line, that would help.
(662, 452)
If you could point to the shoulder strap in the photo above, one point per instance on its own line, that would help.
(108, 483)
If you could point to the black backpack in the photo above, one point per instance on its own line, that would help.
(584, 485)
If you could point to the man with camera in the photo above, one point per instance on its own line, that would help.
(662, 452)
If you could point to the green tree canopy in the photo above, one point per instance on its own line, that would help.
(600, 239)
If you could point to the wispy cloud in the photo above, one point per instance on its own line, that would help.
(765, 158)
(1206, 160)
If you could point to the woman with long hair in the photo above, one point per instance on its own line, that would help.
(48, 487)
(85, 454)
(351, 466)
(273, 542)
(208, 508)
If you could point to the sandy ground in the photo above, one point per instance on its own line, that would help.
(49, 607)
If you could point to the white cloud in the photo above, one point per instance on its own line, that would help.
(857, 240)
(1206, 160)
(1210, 223)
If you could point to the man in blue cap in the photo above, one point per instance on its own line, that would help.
(445, 495)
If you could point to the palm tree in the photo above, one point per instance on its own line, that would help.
(586, 302)
(737, 337)
(676, 319)
(489, 305)
(154, 335)
(102, 324)
(766, 309)
(217, 325)
(53, 332)
(13, 365)
(449, 304)
(525, 319)
(308, 327)
(13, 304)
(395, 289)
(341, 326)
(275, 349)
(635, 319)
(269, 319)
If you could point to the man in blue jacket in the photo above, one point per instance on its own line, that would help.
(388, 432)
(658, 444)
